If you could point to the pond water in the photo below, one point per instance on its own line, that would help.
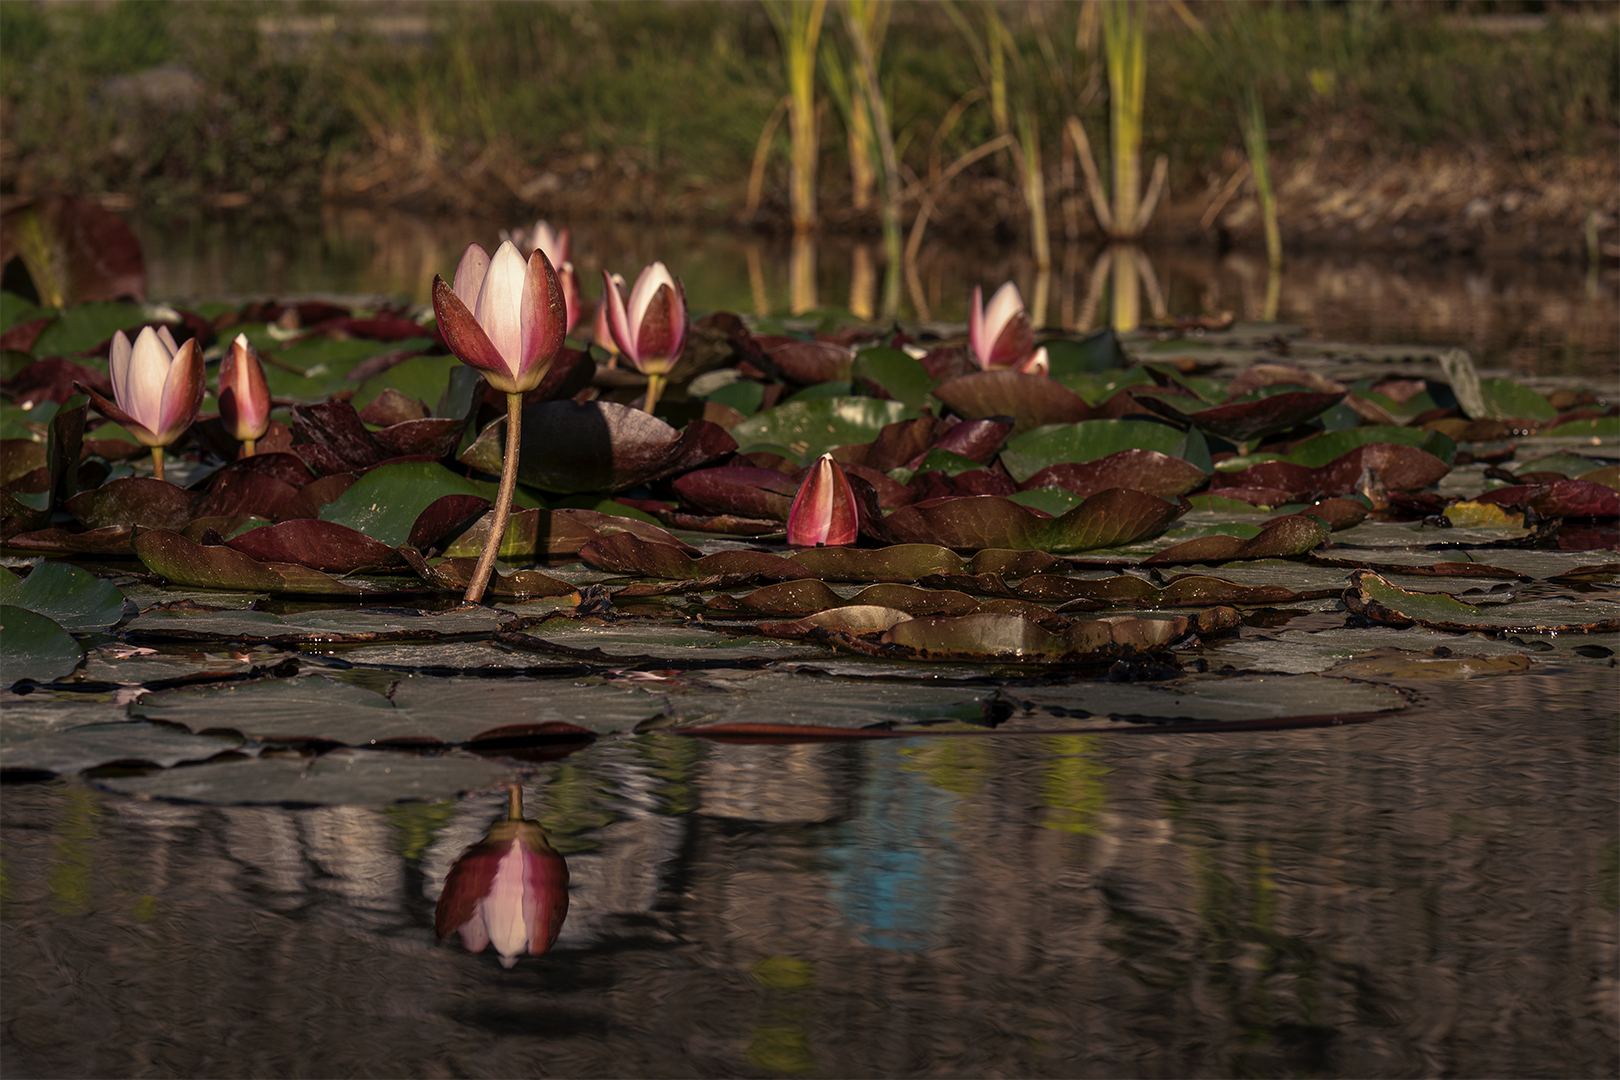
(1432, 893)
(1526, 317)
(1412, 872)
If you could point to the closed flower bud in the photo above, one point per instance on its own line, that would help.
(244, 398)
(824, 512)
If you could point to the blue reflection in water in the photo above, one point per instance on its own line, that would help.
(895, 863)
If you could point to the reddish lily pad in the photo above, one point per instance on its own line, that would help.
(807, 363)
(1108, 519)
(455, 574)
(742, 490)
(1031, 400)
(444, 517)
(1295, 534)
(427, 437)
(1400, 468)
(627, 554)
(1561, 498)
(551, 533)
(133, 500)
(1013, 637)
(1141, 470)
(1242, 421)
(334, 439)
(219, 567)
(321, 545)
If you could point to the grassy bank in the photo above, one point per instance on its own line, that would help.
(1385, 121)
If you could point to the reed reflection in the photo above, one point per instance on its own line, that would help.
(510, 889)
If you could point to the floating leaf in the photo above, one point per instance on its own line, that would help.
(1296, 534)
(811, 428)
(743, 490)
(72, 598)
(1561, 498)
(219, 567)
(1405, 665)
(343, 777)
(896, 374)
(1142, 470)
(1014, 637)
(1399, 468)
(1374, 597)
(897, 562)
(1241, 421)
(627, 554)
(93, 745)
(1107, 519)
(133, 500)
(1323, 449)
(37, 649)
(386, 502)
(1027, 454)
(1031, 400)
(323, 545)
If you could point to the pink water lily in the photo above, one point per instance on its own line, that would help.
(824, 512)
(602, 329)
(244, 397)
(1001, 335)
(650, 326)
(157, 386)
(554, 242)
(510, 889)
(504, 316)
(573, 301)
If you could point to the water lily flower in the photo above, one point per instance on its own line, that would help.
(506, 317)
(573, 301)
(157, 386)
(510, 889)
(602, 330)
(554, 242)
(824, 512)
(1001, 336)
(650, 326)
(244, 398)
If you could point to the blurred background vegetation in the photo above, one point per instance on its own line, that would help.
(655, 110)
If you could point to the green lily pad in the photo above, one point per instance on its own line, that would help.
(84, 326)
(1027, 454)
(1108, 519)
(74, 599)
(896, 373)
(386, 501)
(811, 428)
(36, 648)
(1374, 597)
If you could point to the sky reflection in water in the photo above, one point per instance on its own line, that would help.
(1431, 893)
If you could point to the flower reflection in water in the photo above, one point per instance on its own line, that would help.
(510, 888)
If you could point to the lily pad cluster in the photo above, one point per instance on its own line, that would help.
(1124, 543)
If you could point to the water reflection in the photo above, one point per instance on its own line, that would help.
(1531, 317)
(1431, 894)
(509, 889)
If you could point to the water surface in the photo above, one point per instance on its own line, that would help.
(1432, 893)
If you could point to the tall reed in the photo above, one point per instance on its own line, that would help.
(798, 27)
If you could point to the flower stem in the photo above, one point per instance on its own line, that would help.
(503, 502)
(157, 462)
(514, 803)
(655, 387)
(247, 447)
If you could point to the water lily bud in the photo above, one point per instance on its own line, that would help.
(650, 326)
(510, 889)
(573, 302)
(244, 398)
(505, 316)
(1001, 335)
(554, 242)
(157, 386)
(602, 329)
(824, 512)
